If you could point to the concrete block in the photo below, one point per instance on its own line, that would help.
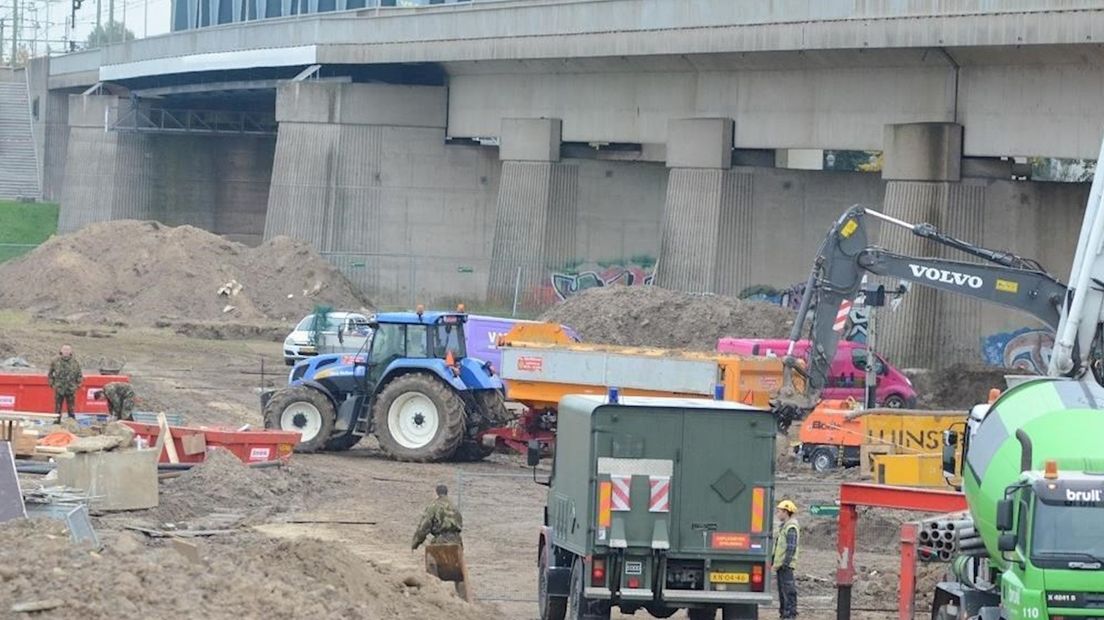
(122, 480)
(530, 139)
(362, 104)
(922, 152)
(699, 143)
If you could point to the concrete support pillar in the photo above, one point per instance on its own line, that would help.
(109, 175)
(923, 163)
(362, 172)
(707, 216)
(536, 211)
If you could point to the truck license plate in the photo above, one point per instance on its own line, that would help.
(728, 577)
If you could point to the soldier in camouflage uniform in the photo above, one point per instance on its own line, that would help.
(441, 519)
(65, 377)
(120, 399)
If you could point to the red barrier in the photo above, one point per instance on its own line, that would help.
(30, 392)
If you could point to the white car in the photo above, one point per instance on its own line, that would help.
(343, 331)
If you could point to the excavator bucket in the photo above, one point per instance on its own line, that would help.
(446, 562)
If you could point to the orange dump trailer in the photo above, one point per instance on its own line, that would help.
(541, 365)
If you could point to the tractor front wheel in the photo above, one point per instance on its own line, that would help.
(419, 418)
(304, 410)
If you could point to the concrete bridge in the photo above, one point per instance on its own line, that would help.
(484, 149)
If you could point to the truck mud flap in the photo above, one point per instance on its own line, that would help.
(266, 396)
(559, 581)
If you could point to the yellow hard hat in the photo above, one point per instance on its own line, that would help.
(788, 506)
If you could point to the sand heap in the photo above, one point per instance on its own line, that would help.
(141, 272)
(959, 386)
(657, 317)
(234, 577)
(222, 483)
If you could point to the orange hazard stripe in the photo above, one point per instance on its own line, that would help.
(758, 505)
(605, 503)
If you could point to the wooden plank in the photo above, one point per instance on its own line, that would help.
(165, 435)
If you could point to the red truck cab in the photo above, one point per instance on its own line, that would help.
(847, 375)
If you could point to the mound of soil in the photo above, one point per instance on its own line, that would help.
(233, 577)
(960, 386)
(222, 483)
(657, 317)
(878, 529)
(136, 272)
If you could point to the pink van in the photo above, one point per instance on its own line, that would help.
(846, 377)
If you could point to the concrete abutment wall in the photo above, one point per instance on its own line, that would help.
(218, 183)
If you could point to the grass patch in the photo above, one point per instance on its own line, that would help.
(27, 222)
(24, 225)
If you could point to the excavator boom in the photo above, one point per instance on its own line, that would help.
(846, 256)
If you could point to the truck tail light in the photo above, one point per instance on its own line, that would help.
(757, 578)
(598, 572)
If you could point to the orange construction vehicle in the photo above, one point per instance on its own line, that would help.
(836, 432)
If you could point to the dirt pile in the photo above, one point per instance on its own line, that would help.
(878, 529)
(232, 577)
(657, 317)
(959, 386)
(140, 272)
(223, 484)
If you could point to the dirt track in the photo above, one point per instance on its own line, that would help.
(214, 381)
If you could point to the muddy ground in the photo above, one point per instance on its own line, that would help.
(215, 381)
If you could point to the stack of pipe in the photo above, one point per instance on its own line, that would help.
(942, 538)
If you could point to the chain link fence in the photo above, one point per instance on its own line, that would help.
(516, 287)
(9, 251)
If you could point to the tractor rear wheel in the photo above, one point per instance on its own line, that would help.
(419, 418)
(305, 410)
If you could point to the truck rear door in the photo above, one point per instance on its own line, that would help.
(723, 484)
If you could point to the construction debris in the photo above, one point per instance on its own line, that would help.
(657, 317)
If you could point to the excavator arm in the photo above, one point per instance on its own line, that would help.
(846, 255)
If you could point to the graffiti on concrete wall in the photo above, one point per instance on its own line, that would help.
(789, 297)
(577, 277)
(1027, 349)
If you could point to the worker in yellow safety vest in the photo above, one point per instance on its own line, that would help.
(785, 557)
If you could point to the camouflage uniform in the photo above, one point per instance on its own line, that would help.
(120, 399)
(441, 519)
(65, 377)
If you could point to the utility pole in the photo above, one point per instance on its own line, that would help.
(110, 21)
(99, 24)
(1, 40)
(145, 18)
(15, 31)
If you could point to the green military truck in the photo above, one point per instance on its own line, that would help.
(659, 504)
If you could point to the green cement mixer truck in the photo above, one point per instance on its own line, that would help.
(1034, 481)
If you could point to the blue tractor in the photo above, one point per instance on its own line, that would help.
(411, 385)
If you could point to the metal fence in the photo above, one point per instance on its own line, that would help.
(13, 250)
(518, 288)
